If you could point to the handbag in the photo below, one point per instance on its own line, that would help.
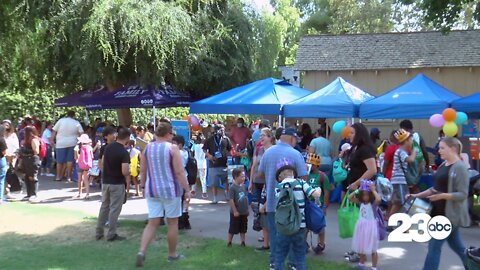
(416, 205)
(411, 174)
(347, 217)
(12, 180)
(339, 173)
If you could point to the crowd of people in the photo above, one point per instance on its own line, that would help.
(156, 162)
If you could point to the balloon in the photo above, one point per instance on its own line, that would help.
(196, 128)
(450, 129)
(194, 120)
(345, 132)
(461, 118)
(449, 114)
(437, 120)
(338, 126)
(186, 118)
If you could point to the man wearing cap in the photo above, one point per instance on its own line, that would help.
(217, 148)
(268, 166)
(65, 132)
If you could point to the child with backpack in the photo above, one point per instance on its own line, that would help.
(291, 194)
(401, 161)
(318, 179)
(238, 200)
(366, 234)
(84, 154)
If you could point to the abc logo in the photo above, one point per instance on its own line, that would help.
(439, 227)
(424, 228)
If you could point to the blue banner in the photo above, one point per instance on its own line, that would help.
(180, 127)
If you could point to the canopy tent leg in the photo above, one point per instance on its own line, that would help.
(279, 120)
(154, 118)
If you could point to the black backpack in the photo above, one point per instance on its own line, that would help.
(192, 169)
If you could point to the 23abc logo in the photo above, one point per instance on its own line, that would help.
(438, 227)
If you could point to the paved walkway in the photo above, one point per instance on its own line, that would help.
(212, 221)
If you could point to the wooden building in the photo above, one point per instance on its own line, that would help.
(377, 63)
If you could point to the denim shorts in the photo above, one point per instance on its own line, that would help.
(64, 155)
(217, 176)
(169, 208)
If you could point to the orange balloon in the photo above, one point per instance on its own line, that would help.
(345, 132)
(186, 118)
(196, 128)
(449, 114)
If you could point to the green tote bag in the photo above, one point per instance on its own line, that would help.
(347, 217)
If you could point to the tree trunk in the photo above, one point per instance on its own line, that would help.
(124, 116)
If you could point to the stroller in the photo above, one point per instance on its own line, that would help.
(472, 262)
(474, 189)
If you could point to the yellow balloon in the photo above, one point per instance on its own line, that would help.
(450, 129)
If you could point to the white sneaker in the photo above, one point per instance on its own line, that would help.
(9, 197)
(50, 174)
(33, 199)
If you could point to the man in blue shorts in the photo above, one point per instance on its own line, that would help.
(66, 131)
(217, 148)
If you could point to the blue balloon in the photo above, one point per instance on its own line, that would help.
(461, 118)
(338, 126)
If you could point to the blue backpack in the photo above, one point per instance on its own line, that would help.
(314, 217)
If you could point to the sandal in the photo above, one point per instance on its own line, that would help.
(87, 197)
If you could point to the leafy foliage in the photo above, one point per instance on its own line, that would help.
(446, 14)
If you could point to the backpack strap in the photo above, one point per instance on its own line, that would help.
(322, 177)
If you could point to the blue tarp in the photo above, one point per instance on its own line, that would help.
(470, 104)
(260, 97)
(336, 100)
(417, 98)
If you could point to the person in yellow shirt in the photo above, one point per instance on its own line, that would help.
(134, 163)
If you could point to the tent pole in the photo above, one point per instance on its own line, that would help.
(87, 117)
(154, 118)
(279, 119)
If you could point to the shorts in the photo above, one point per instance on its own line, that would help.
(64, 155)
(169, 208)
(238, 224)
(217, 176)
(398, 194)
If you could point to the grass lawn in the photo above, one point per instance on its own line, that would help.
(39, 238)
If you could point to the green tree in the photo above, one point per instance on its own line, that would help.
(203, 46)
(447, 14)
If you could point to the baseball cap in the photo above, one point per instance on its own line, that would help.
(375, 131)
(289, 132)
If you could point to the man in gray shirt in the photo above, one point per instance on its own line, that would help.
(268, 168)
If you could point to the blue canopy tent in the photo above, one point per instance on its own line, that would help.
(417, 98)
(265, 96)
(80, 98)
(337, 99)
(468, 104)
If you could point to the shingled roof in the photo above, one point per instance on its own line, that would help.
(389, 51)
